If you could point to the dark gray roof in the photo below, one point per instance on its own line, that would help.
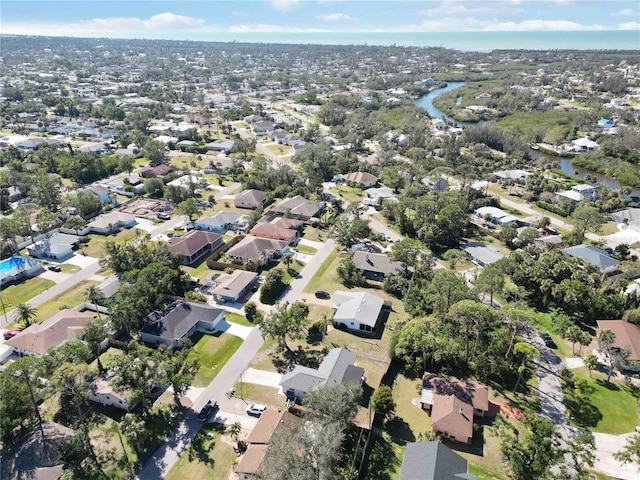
(375, 262)
(433, 461)
(174, 322)
(298, 205)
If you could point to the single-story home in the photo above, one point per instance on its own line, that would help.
(101, 192)
(584, 144)
(594, 256)
(258, 250)
(453, 404)
(231, 287)
(180, 320)
(220, 146)
(57, 246)
(433, 461)
(251, 199)
(103, 393)
(38, 338)
(222, 221)
(627, 336)
(375, 265)
(17, 268)
(337, 368)
(435, 184)
(481, 254)
(359, 311)
(496, 216)
(374, 196)
(112, 222)
(519, 176)
(298, 207)
(189, 182)
(158, 171)
(361, 179)
(279, 228)
(195, 244)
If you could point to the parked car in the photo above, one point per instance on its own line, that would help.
(548, 341)
(207, 411)
(10, 334)
(322, 294)
(163, 216)
(256, 409)
(54, 268)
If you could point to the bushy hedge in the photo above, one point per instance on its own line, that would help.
(551, 208)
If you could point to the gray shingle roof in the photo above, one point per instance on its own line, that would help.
(174, 322)
(432, 461)
(375, 262)
(592, 255)
(359, 306)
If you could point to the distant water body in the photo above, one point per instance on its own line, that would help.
(466, 41)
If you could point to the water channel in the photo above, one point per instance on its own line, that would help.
(564, 164)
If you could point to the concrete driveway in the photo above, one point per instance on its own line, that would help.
(262, 377)
(606, 446)
(234, 329)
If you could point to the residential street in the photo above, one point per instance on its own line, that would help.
(164, 458)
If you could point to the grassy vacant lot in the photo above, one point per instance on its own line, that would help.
(348, 193)
(600, 406)
(206, 458)
(95, 247)
(24, 291)
(253, 393)
(213, 351)
(326, 277)
(69, 299)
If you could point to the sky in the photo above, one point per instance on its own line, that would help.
(217, 20)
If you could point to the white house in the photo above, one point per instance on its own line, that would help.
(584, 144)
(495, 216)
(359, 311)
(103, 393)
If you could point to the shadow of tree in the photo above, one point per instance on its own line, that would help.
(398, 428)
(301, 356)
(383, 461)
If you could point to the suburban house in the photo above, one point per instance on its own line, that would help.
(258, 250)
(496, 216)
(481, 254)
(594, 256)
(193, 245)
(158, 171)
(271, 421)
(630, 217)
(222, 221)
(578, 193)
(57, 246)
(518, 176)
(375, 266)
(435, 184)
(233, 286)
(101, 192)
(433, 461)
(103, 393)
(38, 338)
(361, 179)
(298, 207)
(251, 199)
(453, 404)
(220, 146)
(279, 228)
(337, 368)
(359, 311)
(375, 195)
(189, 182)
(18, 268)
(627, 336)
(180, 320)
(584, 144)
(112, 222)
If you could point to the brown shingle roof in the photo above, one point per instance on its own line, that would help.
(627, 335)
(269, 422)
(192, 242)
(360, 177)
(472, 393)
(452, 415)
(252, 459)
(38, 338)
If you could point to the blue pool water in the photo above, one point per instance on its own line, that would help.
(11, 264)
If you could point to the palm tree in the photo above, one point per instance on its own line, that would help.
(26, 313)
(287, 259)
(93, 335)
(93, 294)
(235, 429)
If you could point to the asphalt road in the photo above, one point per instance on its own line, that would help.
(164, 458)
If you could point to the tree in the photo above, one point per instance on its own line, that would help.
(93, 334)
(134, 429)
(519, 321)
(250, 310)
(526, 353)
(349, 232)
(630, 453)
(531, 454)
(383, 401)
(573, 334)
(471, 315)
(94, 295)
(490, 281)
(234, 430)
(154, 187)
(584, 340)
(28, 369)
(179, 369)
(453, 256)
(348, 273)
(287, 260)
(46, 190)
(272, 286)
(333, 403)
(26, 313)
(85, 203)
(585, 218)
(190, 208)
(244, 146)
(591, 362)
(285, 321)
(75, 223)
(606, 339)
(154, 151)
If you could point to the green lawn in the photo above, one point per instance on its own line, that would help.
(206, 458)
(385, 460)
(95, 247)
(326, 277)
(306, 250)
(24, 291)
(253, 393)
(279, 149)
(199, 270)
(349, 194)
(213, 351)
(68, 268)
(237, 318)
(600, 406)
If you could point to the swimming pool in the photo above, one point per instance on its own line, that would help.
(14, 263)
(17, 267)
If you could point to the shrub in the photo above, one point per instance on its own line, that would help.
(551, 208)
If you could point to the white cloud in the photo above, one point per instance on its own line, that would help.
(269, 28)
(629, 26)
(336, 17)
(285, 5)
(470, 24)
(625, 12)
(542, 25)
(466, 7)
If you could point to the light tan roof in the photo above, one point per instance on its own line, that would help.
(360, 177)
(273, 230)
(627, 335)
(192, 242)
(230, 285)
(103, 387)
(452, 415)
(469, 392)
(269, 422)
(252, 459)
(112, 218)
(39, 338)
